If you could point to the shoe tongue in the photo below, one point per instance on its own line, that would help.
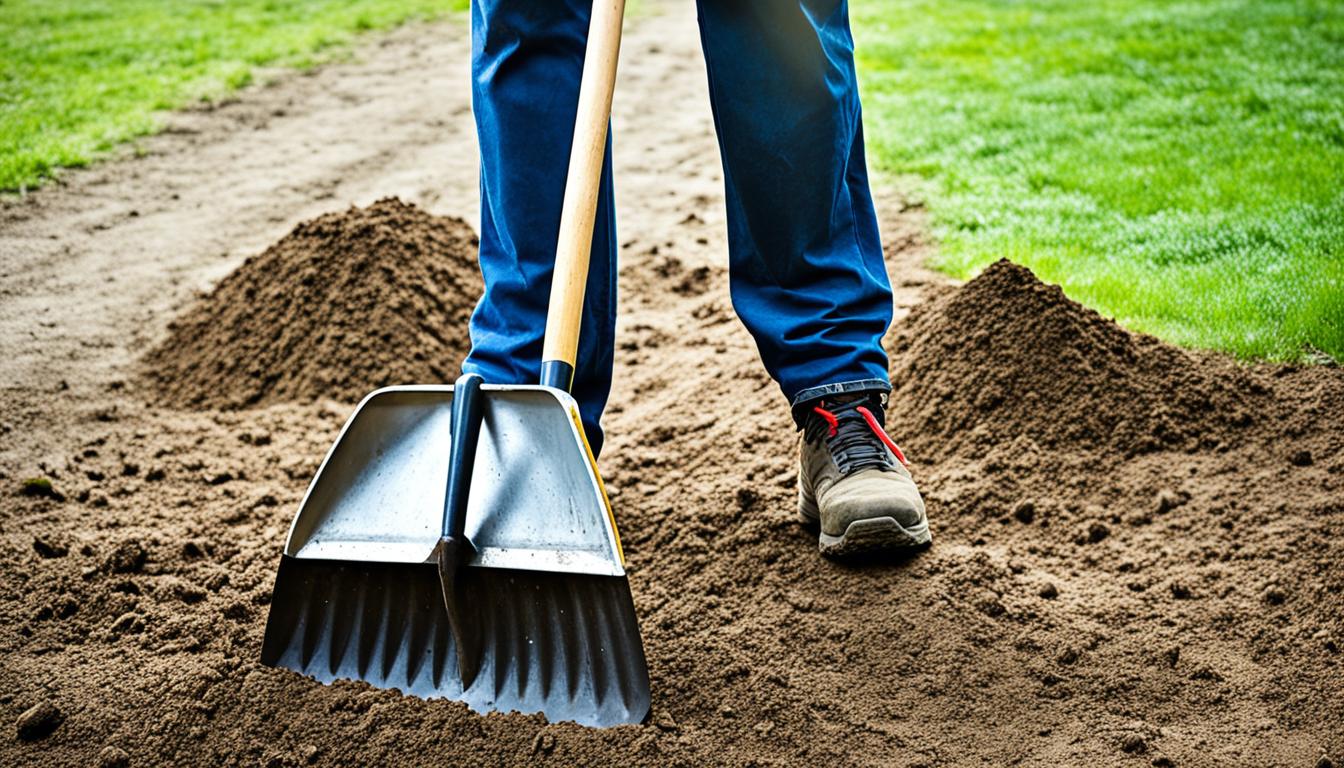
(854, 445)
(846, 398)
(849, 404)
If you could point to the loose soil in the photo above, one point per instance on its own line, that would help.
(1136, 548)
(1007, 354)
(344, 304)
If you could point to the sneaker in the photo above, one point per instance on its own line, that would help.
(853, 483)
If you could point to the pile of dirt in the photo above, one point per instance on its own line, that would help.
(343, 304)
(1135, 560)
(1007, 355)
(1079, 605)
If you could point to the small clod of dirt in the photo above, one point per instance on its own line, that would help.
(181, 590)
(50, 548)
(1025, 512)
(543, 743)
(1168, 500)
(1206, 672)
(1097, 532)
(664, 721)
(1172, 655)
(127, 624)
(113, 757)
(129, 556)
(38, 721)
(343, 304)
(1134, 744)
(746, 498)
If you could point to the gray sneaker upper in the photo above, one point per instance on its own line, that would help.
(850, 469)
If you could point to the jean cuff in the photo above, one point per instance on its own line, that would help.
(839, 388)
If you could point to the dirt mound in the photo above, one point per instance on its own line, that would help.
(1007, 355)
(1079, 606)
(343, 304)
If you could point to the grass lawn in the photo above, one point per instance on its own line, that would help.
(78, 77)
(1176, 165)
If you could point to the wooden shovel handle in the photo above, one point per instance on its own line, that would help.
(581, 187)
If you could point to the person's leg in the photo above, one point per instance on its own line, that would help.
(808, 279)
(527, 58)
(805, 260)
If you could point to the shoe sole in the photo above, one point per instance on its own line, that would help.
(862, 537)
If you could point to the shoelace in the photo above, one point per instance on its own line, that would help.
(849, 430)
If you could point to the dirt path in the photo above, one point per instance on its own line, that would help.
(92, 267)
(1170, 605)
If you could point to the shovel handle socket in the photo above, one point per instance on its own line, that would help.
(466, 430)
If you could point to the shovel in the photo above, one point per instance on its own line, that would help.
(457, 541)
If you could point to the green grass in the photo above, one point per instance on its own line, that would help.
(1177, 165)
(78, 77)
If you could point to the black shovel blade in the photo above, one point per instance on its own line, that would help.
(563, 644)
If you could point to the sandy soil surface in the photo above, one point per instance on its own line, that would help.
(1137, 549)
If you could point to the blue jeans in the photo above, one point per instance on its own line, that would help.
(805, 261)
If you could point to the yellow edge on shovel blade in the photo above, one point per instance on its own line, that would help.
(601, 486)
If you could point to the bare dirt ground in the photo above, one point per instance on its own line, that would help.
(1137, 549)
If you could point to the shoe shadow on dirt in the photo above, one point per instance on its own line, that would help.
(894, 560)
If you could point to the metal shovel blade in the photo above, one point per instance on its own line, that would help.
(566, 645)
(544, 604)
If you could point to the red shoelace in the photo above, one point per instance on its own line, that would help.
(833, 424)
